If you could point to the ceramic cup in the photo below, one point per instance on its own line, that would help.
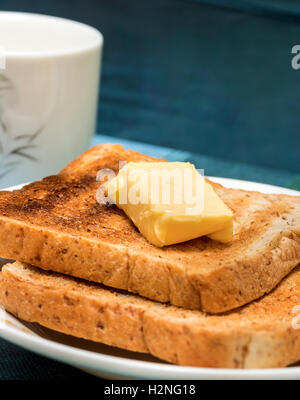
(49, 81)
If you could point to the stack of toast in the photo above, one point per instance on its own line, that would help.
(84, 269)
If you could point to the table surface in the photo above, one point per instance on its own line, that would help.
(19, 364)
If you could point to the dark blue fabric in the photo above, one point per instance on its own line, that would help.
(279, 8)
(19, 364)
(192, 76)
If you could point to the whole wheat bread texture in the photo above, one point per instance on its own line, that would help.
(262, 334)
(57, 224)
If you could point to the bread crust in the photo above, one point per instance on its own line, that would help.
(57, 224)
(258, 335)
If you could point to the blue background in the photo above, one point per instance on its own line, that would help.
(195, 76)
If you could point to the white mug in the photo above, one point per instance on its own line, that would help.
(49, 80)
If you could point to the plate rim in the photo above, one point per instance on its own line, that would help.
(131, 368)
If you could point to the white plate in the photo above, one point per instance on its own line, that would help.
(106, 361)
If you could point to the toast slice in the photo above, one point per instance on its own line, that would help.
(262, 334)
(57, 224)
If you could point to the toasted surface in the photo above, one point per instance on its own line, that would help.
(258, 335)
(57, 224)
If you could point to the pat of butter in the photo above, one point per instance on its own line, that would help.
(170, 202)
(224, 235)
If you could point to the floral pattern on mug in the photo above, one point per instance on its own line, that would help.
(14, 145)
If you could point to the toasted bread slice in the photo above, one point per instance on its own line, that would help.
(262, 334)
(57, 224)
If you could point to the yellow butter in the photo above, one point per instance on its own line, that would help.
(170, 202)
(224, 235)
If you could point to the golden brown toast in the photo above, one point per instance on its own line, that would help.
(57, 224)
(263, 334)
